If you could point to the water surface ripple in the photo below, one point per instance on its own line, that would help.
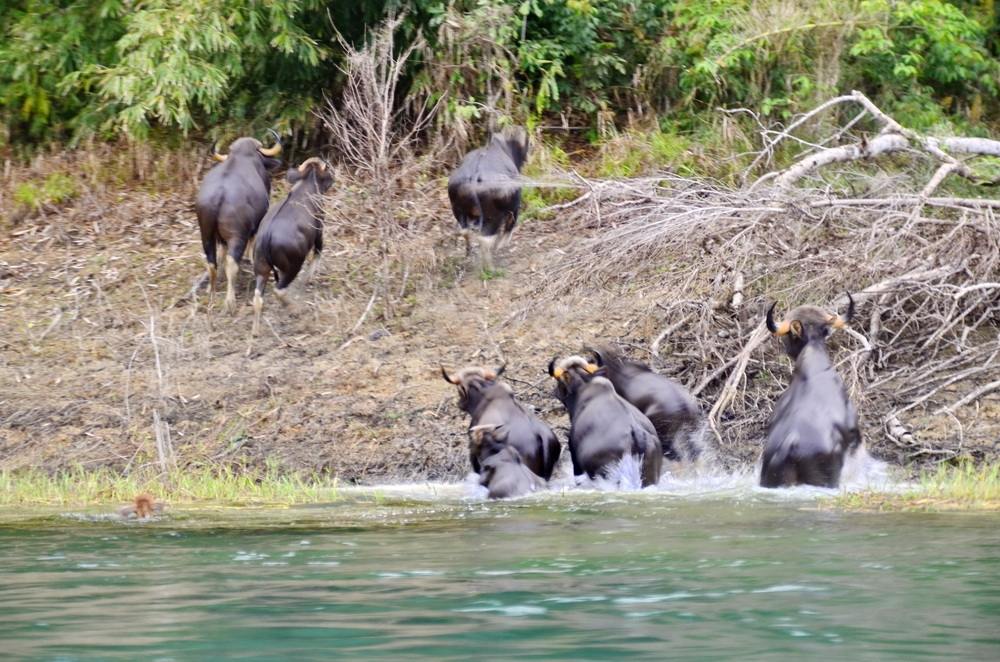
(426, 573)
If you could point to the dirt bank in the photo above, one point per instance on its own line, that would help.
(98, 340)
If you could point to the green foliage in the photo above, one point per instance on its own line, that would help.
(961, 486)
(56, 189)
(68, 68)
(87, 487)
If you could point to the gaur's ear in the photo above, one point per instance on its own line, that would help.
(293, 175)
(795, 327)
(271, 163)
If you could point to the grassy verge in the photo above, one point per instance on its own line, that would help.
(960, 487)
(82, 487)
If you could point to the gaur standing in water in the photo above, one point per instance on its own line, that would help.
(503, 472)
(485, 191)
(814, 424)
(231, 202)
(669, 407)
(491, 405)
(605, 429)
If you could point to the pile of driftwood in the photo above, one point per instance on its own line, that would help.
(854, 213)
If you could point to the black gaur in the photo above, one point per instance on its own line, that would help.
(231, 202)
(485, 191)
(814, 425)
(505, 475)
(491, 404)
(606, 430)
(290, 231)
(669, 407)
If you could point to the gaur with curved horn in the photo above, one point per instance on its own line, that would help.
(485, 191)
(291, 231)
(605, 429)
(814, 425)
(669, 407)
(231, 202)
(491, 405)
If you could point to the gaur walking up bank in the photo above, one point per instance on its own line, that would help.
(291, 230)
(814, 424)
(606, 432)
(485, 193)
(231, 202)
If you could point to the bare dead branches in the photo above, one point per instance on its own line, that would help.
(921, 266)
(892, 137)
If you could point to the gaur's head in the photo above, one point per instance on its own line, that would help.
(472, 383)
(487, 440)
(807, 324)
(313, 167)
(571, 373)
(515, 141)
(252, 148)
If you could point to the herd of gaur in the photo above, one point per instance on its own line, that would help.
(624, 417)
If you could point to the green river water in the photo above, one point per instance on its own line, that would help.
(426, 573)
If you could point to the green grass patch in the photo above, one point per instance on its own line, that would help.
(964, 486)
(220, 485)
(491, 274)
(55, 189)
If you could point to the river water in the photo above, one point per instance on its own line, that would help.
(424, 572)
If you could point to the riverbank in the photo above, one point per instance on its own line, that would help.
(109, 362)
(947, 488)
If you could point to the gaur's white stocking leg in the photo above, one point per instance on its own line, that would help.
(232, 269)
(313, 266)
(486, 247)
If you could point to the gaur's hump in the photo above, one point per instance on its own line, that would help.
(602, 382)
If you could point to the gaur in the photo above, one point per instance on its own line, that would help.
(814, 425)
(291, 231)
(604, 427)
(485, 191)
(491, 404)
(231, 202)
(669, 407)
(505, 475)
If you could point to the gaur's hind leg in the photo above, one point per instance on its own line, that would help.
(211, 263)
(487, 245)
(286, 279)
(233, 257)
(317, 253)
(258, 302)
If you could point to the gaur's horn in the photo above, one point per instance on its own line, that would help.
(598, 357)
(778, 330)
(274, 149)
(839, 322)
(215, 153)
(553, 370)
(448, 378)
(591, 368)
(499, 371)
(308, 162)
